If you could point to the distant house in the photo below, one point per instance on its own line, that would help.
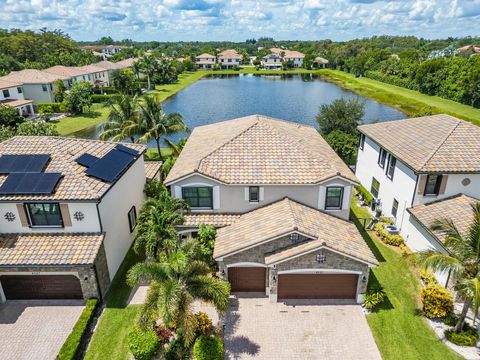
(469, 50)
(295, 57)
(320, 63)
(272, 62)
(91, 73)
(11, 94)
(229, 58)
(205, 61)
(108, 50)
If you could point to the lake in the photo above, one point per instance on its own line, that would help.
(289, 97)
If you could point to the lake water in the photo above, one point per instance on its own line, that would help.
(289, 97)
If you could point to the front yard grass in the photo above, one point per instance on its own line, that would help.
(398, 327)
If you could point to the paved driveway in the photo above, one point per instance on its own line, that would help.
(258, 329)
(36, 329)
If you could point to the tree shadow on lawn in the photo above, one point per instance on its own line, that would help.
(366, 236)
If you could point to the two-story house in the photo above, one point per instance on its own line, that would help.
(93, 74)
(11, 94)
(280, 197)
(419, 165)
(205, 61)
(296, 57)
(67, 211)
(229, 59)
(272, 62)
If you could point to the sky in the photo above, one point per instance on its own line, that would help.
(237, 20)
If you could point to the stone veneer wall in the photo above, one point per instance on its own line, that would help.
(101, 266)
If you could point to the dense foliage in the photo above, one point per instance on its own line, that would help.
(467, 337)
(386, 237)
(9, 116)
(30, 128)
(78, 98)
(437, 302)
(208, 348)
(142, 343)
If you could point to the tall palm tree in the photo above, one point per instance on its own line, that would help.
(462, 260)
(137, 69)
(121, 119)
(148, 65)
(176, 282)
(155, 123)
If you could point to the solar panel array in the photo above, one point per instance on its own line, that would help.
(86, 160)
(30, 183)
(23, 163)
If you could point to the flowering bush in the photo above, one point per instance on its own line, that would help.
(386, 237)
(437, 302)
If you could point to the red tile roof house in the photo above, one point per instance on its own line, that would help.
(280, 198)
(229, 59)
(205, 61)
(288, 55)
(67, 211)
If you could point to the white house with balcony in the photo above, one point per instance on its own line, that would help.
(229, 59)
(11, 94)
(67, 212)
(205, 61)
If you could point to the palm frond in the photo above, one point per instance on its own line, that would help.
(210, 289)
(436, 261)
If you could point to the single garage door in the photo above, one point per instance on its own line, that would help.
(17, 287)
(317, 286)
(250, 279)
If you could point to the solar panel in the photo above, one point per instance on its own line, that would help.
(23, 163)
(86, 160)
(126, 150)
(30, 183)
(110, 166)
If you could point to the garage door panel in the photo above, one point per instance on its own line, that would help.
(317, 286)
(28, 287)
(247, 279)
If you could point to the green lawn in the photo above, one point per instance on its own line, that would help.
(398, 327)
(165, 91)
(71, 124)
(110, 338)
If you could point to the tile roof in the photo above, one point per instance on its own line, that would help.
(152, 168)
(457, 208)
(286, 216)
(437, 143)
(32, 76)
(230, 54)
(288, 53)
(75, 184)
(49, 249)
(90, 69)
(286, 253)
(259, 150)
(205, 55)
(107, 65)
(217, 220)
(15, 102)
(126, 63)
(66, 71)
(8, 84)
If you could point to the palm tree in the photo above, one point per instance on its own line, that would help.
(148, 65)
(462, 260)
(122, 118)
(176, 282)
(155, 123)
(137, 69)
(176, 149)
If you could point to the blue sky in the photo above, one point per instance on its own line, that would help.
(237, 20)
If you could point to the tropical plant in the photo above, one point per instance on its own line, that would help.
(36, 128)
(208, 348)
(123, 81)
(374, 297)
(59, 89)
(344, 144)
(176, 282)
(9, 116)
(143, 344)
(148, 65)
(206, 240)
(78, 97)
(121, 119)
(342, 114)
(437, 302)
(462, 260)
(468, 336)
(175, 149)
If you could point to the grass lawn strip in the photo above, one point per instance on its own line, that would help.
(398, 326)
(71, 124)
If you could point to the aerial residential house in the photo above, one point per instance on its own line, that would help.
(320, 63)
(295, 57)
(38, 85)
(280, 198)
(420, 169)
(229, 59)
(123, 64)
(93, 74)
(11, 94)
(106, 50)
(68, 209)
(205, 61)
(272, 62)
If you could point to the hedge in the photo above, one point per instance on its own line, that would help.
(366, 194)
(105, 90)
(101, 98)
(143, 344)
(51, 108)
(72, 345)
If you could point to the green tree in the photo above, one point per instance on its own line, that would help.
(189, 65)
(462, 260)
(123, 114)
(342, 114)
(175, 152)
(59, 89)
(176, 282)
(206, 242)
(78, 98)
(36, 128)
(9, 116)
(124, 81)
(149, 65)
(345, 145)
(6, 132)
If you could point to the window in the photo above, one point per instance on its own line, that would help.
(132, 218)
(19, 90)
(382, 157)
(254, 194)
(6, 93)
(334, 197)
(51, 87)
(432, 187)
(391, 167)
(375, 187)
(394, 208)
(362, 141)
(198, 197)
(47, 214)
(44, 87)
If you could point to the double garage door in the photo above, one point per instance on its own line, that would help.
(27, 287)
(295, 286)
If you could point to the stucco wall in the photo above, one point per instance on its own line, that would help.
(13, 93)
(34, 92)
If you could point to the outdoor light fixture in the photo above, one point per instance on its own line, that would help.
(364, 278)
(274, 266)
(274, 279)
(321, 258)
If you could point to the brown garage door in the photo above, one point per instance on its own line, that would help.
(41, 287)
(250, 279)
(317, 286)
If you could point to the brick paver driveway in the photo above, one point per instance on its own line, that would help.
(36, 329)
(258, 329)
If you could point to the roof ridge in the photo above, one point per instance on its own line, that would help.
(289, 204)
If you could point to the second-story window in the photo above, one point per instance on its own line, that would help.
(334, 198)
(6, 93)
(362, 141)
(382, 157)
(198, 197)
(19, 90)
(44, 215)
(432, 186)
(375, 187)
(395, 208)
(254, 194)
(391, 167)
(44, 87)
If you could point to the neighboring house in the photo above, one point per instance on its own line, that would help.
(123, 64)
(108, 50)
(283, 196)
(68, 208)
(272, 62)
(11, 94)
(295, 57)
(205, 61)
(320, 63)
(408, 163)
(38, 85)
(229, 59)
(93, 74)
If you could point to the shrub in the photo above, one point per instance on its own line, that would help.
(176, 350)
(208, 348)
(437, 302)
(386, 237)
(374, 297)
(204, 324)
(450, 320)
(367, 197)
(104, 90)
(153, 189)
(51, 108)
(72, 344)
(467, 337)
(143, 344)
(100, 98)
(428, 277)
(164, 334)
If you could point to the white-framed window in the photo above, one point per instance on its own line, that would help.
(334, 198)
(382, 157)
(253, 193)
(394, 208)
(392, 161)
(198, 196)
